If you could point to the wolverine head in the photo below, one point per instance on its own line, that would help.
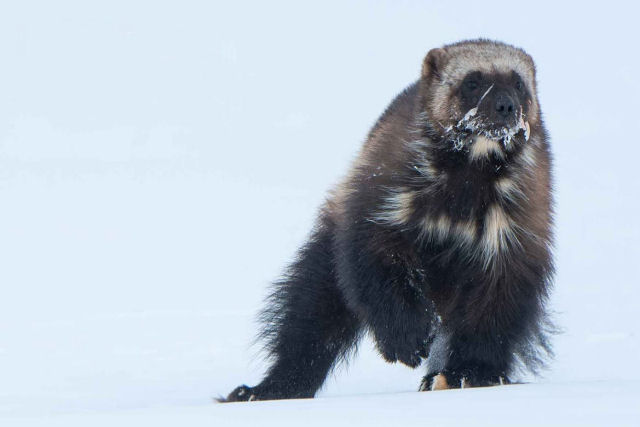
(479, 93)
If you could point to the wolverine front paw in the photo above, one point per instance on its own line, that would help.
(411, 356)
(242, 393)
(460, 379)
(433, 382)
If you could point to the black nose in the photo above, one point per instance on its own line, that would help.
(504, 105)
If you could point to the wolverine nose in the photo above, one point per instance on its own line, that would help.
(504, 105)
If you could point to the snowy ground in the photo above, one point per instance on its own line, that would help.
(160, 164)
(561, 404)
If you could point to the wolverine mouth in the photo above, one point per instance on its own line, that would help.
(500, 120)
(473, 124)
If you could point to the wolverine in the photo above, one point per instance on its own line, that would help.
(438, 243)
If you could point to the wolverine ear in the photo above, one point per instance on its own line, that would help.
(433, 63)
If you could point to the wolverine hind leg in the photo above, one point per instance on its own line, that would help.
(308, 326)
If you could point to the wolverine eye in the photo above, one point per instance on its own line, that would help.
(471, 85)
(517, 82)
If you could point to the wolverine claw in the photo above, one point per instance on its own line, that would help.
(452, 379)
(242, 393)
(434, 382)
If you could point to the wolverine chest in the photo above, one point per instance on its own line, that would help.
(464, 216)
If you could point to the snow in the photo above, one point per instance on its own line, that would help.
(584, 404)
(160, 164)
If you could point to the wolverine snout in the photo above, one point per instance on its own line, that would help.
(501, 109)
(504, 105)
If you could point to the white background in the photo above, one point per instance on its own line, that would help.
(160, 162)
